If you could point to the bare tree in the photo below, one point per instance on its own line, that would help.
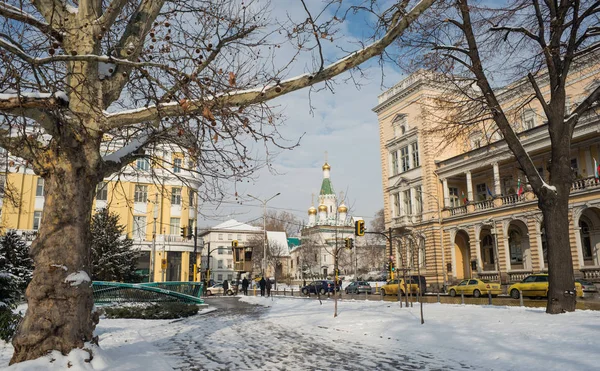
(540, 43)
(276, 253)
(308, 254)
(281, 221)
(193, 74)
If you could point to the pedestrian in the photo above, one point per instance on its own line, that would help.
(225, 287)
(245, 286)
(268, 286)
(303, 283)
(262, 283)
(204, 286)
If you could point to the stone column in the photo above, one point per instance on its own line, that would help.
(497, 191)
(469, 186)
(446, 193)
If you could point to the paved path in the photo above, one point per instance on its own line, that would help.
(235, 337)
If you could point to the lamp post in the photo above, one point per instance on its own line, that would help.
(264, 202)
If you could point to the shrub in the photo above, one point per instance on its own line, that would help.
(153, 311)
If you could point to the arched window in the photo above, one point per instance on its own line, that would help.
(516, 251)
(487, 252)
(586, 242)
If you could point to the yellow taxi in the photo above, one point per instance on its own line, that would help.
(536, 285)
(475, 288)
(391, 287)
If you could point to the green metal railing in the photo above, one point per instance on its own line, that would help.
(117, 292)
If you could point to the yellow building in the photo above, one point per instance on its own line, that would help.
(466, 204)
(146, 197)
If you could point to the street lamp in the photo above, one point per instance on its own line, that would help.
(264, 202)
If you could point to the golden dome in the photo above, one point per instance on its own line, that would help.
(322, 208)
(342, 209)
(312, 211)
(326, 166)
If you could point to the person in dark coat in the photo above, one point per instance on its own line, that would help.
(268, 286)
(245, 286)
(262, 283)
(225, 287)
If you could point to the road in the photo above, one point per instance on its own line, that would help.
(236, 337)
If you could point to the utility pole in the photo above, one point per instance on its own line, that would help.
(153, 255)
(264, 202)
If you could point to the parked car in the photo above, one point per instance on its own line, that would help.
(588, 288)
(218, 289)
(536, 285)
(391, 287)
(421, 281)
(475, 288)
(358, 287)
(320, 286)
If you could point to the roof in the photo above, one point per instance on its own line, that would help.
(279, 239)
(326, 187)
(234, 225)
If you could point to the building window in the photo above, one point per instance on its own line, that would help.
(143, 164)
(481, 190)
(220, 237)
(229, 237)
(475, 140)
(102, 191)
(39, 190)
(574, 166)
(221, 250)
(418, 200)
(586, 242)
(174, 226)
(230, 277)
(516, 252)
(399, 125)
(396, 204)
(404, 160)
(395, 163)
(37, 220)
(192, 197)
(239, 237)
(454, 200)
(487, 253)
(2, 184)
(220, 264)
(176, 196)
(139, 227)
(219, 277)
(141, 193)
(229, 264)
(528, 119)
(407, 202)
(177, 165)
(229, 251)
(415, 154)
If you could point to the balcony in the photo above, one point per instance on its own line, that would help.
(590, 273)
(584, 184)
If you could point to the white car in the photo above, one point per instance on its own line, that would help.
(217, 289)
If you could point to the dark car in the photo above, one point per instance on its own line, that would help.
(421, 281)
(589, 289)
(321, 287)
(358, 287)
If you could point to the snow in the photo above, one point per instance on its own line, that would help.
(453, 337)
(233, 224)
(103, 69)
(133, 146)
(72, 9)
(78, 278)
(35, 94)
(279, 239)
(60, 266)
(552, 188)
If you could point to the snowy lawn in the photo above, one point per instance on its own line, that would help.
(453, 337)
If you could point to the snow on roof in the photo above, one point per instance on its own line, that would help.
(234, 225)
(279, 239)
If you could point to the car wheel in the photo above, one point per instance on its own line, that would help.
(383, 292)
(514, 294)
(322, 291)
(452, 293)
(208, 293)
(401, 293)
(305, 291)
(229, 292)
(476, 293)
(347, 292)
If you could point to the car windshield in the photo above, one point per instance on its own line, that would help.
(584, 282)
(363, 283)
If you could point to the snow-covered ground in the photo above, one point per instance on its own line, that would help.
(299, 334)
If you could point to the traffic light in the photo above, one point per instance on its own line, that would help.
(347, 243)
(190, 234)
(359, 228)
(183, 231)
(392, 266)
(234, 243)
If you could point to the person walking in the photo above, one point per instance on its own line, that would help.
(225, 287)
(268, 286)
(245, 286)
(262, 283)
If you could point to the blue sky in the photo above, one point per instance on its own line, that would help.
(342, 124)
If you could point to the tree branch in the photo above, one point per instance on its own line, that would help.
(521, 30)
(51, 10)
(263, 94)
(111, 13)
(9, 11)
(539, 95)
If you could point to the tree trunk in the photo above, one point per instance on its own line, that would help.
(555, 209)
(59, 314)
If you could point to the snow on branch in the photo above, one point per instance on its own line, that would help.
(9, 11)
(77, 278)
(12, 101)
(127, 150)
(264, 93)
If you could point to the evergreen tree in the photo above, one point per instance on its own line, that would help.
(15, 260)
(113, 258)
(10, 294)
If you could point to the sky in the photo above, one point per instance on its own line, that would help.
(300, 334)
(340, 123)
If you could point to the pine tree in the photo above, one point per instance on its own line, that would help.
(113, 258)
(10, 294)
(15, 260)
